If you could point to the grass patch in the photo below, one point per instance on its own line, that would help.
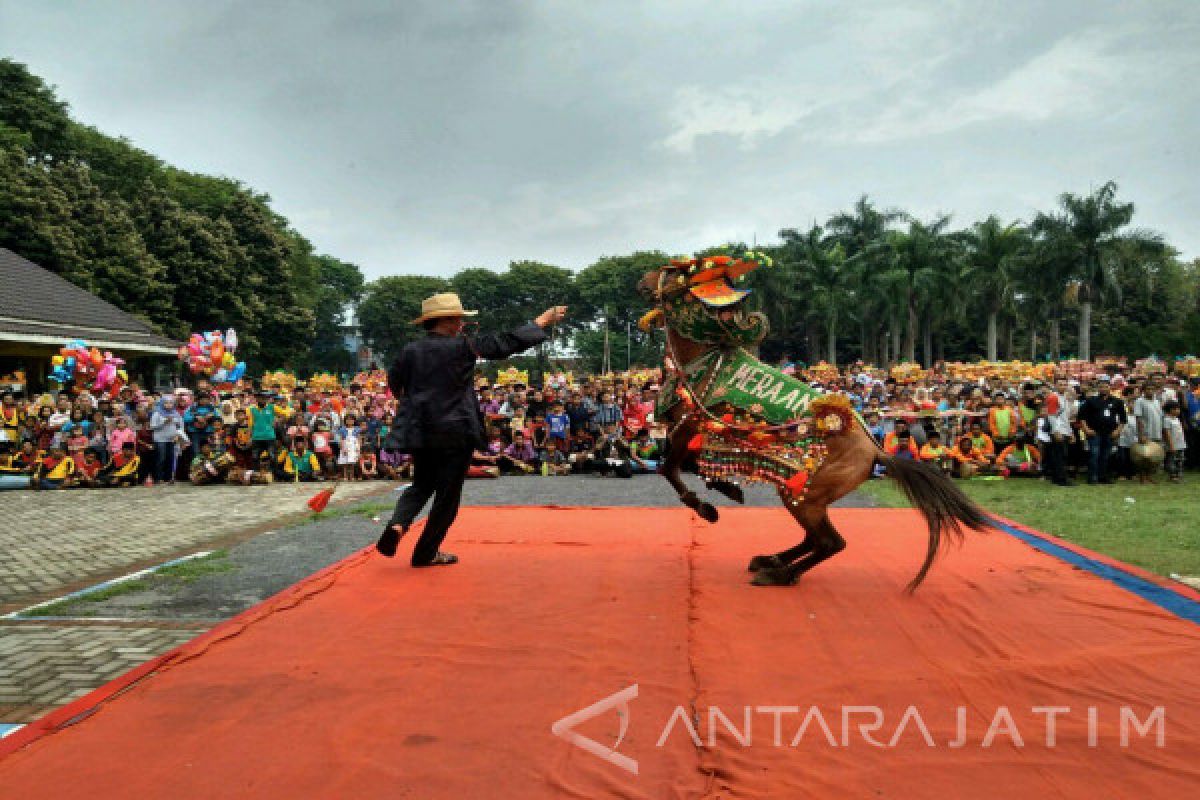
(211, 564)
(366, 510)
(69, 608)
(190, 570)
(1159, 531)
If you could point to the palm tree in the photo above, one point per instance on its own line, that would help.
(1087, 234)
(919, 260)
(824, 261)
(995, 253)
(860, 232)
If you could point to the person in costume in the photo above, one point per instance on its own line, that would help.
(55, 470)
(438, 420)
(122, 470)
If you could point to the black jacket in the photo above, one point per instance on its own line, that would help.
(433, 380)
(1103, 414)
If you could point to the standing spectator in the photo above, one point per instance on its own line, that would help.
(167, 425)
(558, 427)
(1174, 440)
(1100, 416)
(1058, 432)
(1127, 438)
(262, 424)
(1149, 414)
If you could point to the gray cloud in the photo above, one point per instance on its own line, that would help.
(430, 136)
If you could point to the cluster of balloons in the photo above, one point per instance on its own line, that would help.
(212, 354)
(78, 362)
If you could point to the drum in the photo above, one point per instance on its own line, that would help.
(1148, 457)
(967, 470)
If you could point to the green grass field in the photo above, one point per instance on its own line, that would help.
(1159, 531)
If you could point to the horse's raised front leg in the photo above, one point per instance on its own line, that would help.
(671, 470)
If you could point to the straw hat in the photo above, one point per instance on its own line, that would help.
(445, 304)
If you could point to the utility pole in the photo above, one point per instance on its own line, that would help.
(628, 345)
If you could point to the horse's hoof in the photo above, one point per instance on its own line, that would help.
(764, 562)
(774, 576)
(707, 512)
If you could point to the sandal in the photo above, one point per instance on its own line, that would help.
(440, 559)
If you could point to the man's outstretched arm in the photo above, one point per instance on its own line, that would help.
(502, 345)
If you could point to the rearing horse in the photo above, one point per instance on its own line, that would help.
(730, 416)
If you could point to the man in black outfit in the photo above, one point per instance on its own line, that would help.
(439, 420)
(1101, 416)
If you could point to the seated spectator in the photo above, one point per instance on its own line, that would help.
(969, 462)
(122, 470)
(519, 457)
(643, 453)
(209, 467)
(1020, 458)
(900, 443)
(87, 471)
(936, 453)
(611, 454)
(299, 463)
(368, 464)
(55, 470)
(981, 443)
(555, 462)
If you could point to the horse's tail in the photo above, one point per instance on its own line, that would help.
(945, 507)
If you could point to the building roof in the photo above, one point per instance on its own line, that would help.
(39, 307)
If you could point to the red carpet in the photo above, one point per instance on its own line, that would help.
(376, 680)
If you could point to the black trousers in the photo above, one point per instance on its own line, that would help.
(438, 474)
(1055, 462)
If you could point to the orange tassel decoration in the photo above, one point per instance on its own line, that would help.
(696, 443)
(319, 500)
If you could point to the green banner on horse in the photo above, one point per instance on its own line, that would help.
(745, 383)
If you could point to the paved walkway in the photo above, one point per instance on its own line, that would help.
(57, 542)
(54, 542)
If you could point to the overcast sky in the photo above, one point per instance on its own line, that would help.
(424, 137)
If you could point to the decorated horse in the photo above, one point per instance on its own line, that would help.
(732, 418)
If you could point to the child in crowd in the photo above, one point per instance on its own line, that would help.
(1174, 440)
(54, 470)
(554, 462)
(368, 463)
(122, 470)
(322, 445)
(87, 471)
(643, 453)
(76, 441)
(558, 426)
(349, 439)
(299, 463)
(120, 435)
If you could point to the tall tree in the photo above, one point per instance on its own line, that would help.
(1088, 232)
(994, 254)
(388, 307)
